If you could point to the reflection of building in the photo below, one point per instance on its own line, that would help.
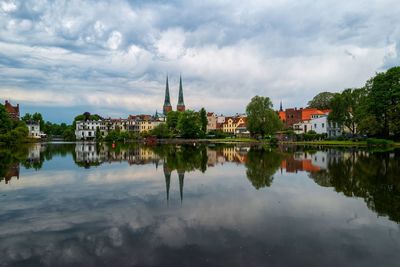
(34, 152)
(93, 153)
(13, 171)
(310, 162)
(167, 175)
(235, 154)
(86, 153)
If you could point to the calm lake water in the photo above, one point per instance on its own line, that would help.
(87, 205)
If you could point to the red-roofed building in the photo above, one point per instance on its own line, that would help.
(12, 110)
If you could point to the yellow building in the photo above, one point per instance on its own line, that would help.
(231, 123)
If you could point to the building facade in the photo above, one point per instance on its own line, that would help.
(34, 129)
(86, 129)
(13, 111)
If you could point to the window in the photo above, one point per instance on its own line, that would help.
(323, 125)
(315, 126)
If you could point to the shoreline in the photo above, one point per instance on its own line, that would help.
(247, 141)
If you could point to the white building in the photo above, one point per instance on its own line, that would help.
(34, 129)
(86, 129)
(319, 124)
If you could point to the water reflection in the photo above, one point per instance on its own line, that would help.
(92, 205)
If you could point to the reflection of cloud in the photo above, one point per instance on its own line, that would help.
(88, 217)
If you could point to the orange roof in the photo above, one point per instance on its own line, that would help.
(308, 112)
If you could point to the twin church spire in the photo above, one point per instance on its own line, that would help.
(167, 101)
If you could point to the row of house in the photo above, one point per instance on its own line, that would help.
(87, 129)
(236, 125)
(303, 120)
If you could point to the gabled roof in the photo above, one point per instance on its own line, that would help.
(308, 112)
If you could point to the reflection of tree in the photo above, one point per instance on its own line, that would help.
(261, 165)
(183, 158)
(372, 176)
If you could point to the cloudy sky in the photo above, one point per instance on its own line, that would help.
(111, 57)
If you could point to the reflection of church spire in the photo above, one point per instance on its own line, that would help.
(167, 174)
(181, 175)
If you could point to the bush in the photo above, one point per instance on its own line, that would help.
(273, 141)
(218, 134)
(116, 136)
(379, 142)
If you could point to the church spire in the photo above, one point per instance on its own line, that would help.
(167, 175)
(167, 103)
(281, 109)
(181, 103)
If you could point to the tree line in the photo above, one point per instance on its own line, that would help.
(373, 109)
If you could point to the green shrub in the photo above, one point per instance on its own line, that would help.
(273, 141)
(379, 142)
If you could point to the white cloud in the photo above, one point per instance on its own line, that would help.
(8, 6)
(226, 51)
(114, 40)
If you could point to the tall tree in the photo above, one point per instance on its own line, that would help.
(38, 118)
(5, 120)
(321, 101)
(383, 103)
(189, 124)
(27, 117)
(346, 108)
(261, 118)
(203, 120)
(172, 120)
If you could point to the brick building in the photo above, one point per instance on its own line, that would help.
(12, 110)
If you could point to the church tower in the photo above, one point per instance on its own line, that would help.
(181, 103)
(167, 103)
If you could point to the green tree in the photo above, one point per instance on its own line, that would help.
(38, 118)
(189, 124)
(99, 137)
(203, 121)
(172, 120)
(69, 134)
(161, 131)
(347, 108)
(261, 118)
(321, 101)
(27, 117)
(382, 105)
(5, 120)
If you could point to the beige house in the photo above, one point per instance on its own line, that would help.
(145, 123)
(231, 124)
(211, 121)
